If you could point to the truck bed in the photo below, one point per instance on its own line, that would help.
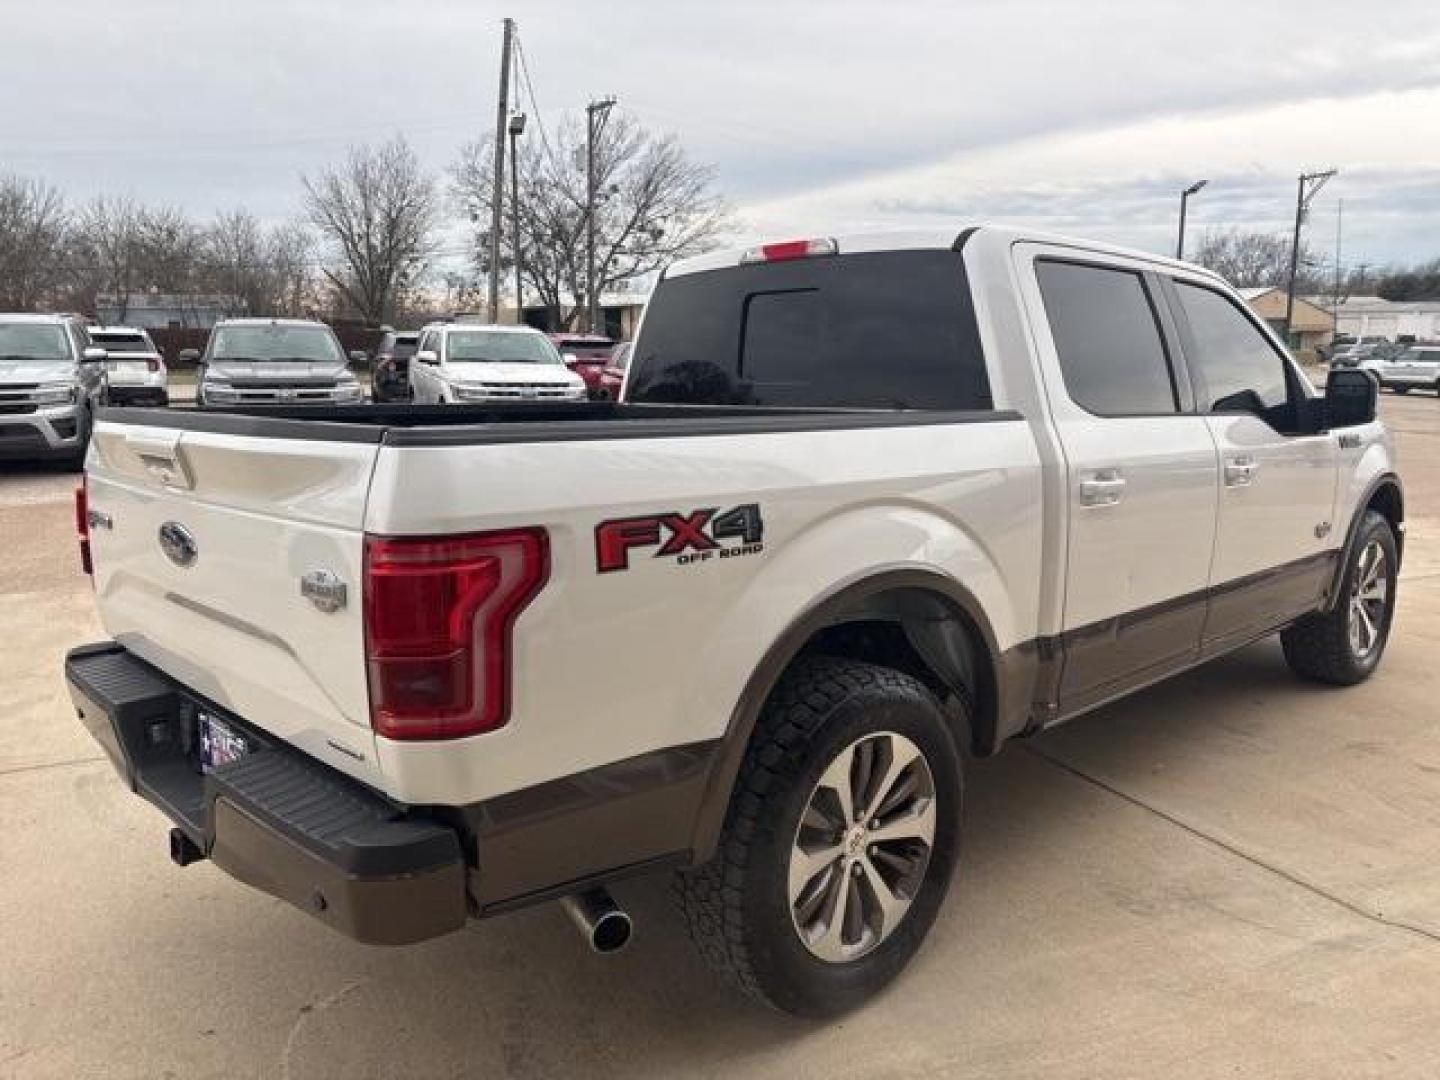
(508, 422)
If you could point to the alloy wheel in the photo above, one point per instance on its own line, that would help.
(1369, 597)
(862, 847)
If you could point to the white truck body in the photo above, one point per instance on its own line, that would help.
(1040, 556)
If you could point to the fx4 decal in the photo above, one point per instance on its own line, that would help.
(687, 538)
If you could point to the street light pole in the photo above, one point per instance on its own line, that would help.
(1184, 198)
(517, 127)
(595, 114)
(1310, 185)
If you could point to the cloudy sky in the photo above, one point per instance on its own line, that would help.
(824, 116)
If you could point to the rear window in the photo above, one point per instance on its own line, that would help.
(877, 330)
(586, 348)
(121, 342)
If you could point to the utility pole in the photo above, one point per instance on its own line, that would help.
(1310, 185)
(1339, 234)
(517, 126)
(595, 114)
(1184, 198)
(497, 187)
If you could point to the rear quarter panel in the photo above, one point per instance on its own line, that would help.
(614, 665)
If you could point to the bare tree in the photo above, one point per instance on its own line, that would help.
(265, 271)
(1259, 260)
(236, 257)
(655, 206)
(291, 251)
(33, 224)
(378, 213)
(169, 250)
(105, 251)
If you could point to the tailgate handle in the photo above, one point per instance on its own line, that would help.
(160, 455)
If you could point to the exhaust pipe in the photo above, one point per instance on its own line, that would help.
(183, 850)
(601, 921)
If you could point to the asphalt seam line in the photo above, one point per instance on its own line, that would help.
(1311, 887)
(49, 765)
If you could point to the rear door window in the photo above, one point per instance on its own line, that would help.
(1103, 323)
(877, 330)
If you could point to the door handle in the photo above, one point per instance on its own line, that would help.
(1102, 488)
(1240, 471)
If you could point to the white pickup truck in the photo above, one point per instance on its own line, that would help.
(866, 502)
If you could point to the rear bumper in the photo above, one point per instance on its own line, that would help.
(137, 394)
(275, 819)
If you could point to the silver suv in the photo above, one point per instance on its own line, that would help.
(275, 362)
(50, 382)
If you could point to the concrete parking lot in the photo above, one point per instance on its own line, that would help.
(1233, 874)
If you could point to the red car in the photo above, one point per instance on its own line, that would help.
(612, 375)
(586, 355)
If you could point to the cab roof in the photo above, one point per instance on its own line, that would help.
(952, 239)
(489, 328)
(34, 317)
(253, 321)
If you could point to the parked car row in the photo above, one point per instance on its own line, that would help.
(55, 370)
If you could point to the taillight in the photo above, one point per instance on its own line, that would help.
(152, 365)
(439, 612)
(790, 249)
(82, 525)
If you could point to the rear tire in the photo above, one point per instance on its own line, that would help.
(804, 907)
(1343, 647)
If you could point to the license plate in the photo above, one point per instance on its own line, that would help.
(220, 744)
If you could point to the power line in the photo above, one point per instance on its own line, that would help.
(524, 68)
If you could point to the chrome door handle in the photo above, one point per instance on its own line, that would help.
(1103, 488)
(1240, 471)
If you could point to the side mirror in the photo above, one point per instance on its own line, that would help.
(189, 356)
(571, 359)
(426, 356)
(1351, 397)
(358, 356)
(94, 355)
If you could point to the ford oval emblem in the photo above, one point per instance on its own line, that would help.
(177, 543)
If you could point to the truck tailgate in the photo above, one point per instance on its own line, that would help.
(200, 542)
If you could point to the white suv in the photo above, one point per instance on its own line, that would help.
(1415, 368)
(467, 362)
(134, 369)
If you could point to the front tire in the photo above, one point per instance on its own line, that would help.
(839, 843)
(1343, 646)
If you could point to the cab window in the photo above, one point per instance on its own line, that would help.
(1235, 366)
